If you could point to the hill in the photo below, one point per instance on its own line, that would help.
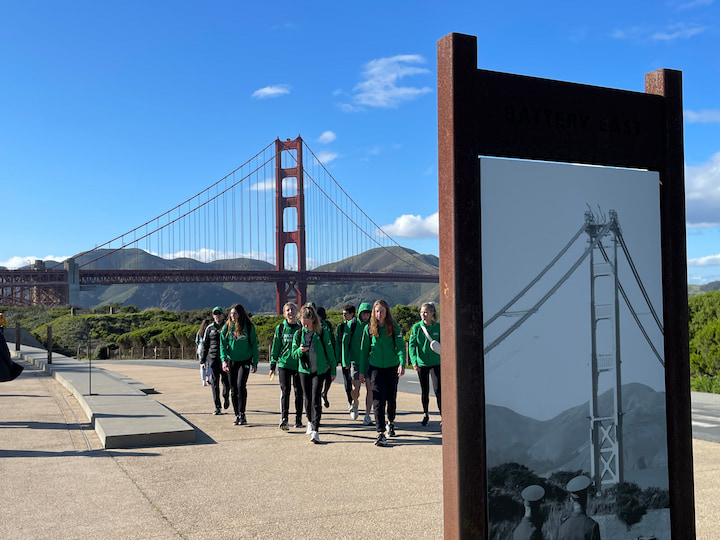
(563, 443)
(258, 297)
(694, 290)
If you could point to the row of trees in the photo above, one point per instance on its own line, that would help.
(109, 328)
(626, 501)
(704, 333)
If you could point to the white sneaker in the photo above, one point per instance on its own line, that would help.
(367, 421)
(354, 411)
(314, 437)
(309, 429)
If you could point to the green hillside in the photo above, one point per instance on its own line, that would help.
(259, 297)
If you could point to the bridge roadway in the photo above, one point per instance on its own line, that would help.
(238, 481)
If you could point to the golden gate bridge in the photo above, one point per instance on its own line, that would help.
(280, 217)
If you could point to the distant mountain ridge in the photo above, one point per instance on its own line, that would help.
(257, 297)
(563, 442)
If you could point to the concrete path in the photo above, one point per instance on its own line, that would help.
(250, 481)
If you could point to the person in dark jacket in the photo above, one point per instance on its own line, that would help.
(210, 356)
(579, 526)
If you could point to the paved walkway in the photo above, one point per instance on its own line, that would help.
(250, 481)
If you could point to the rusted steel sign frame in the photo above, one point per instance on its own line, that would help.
(484, 113)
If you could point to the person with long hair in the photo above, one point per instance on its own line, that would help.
(313, 350)
(287, 367)
(382, 359)
(423, 358)
(239, 352)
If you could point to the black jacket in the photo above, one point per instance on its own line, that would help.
(211, 347)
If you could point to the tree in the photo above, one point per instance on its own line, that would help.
(628, 507)
(705, 351)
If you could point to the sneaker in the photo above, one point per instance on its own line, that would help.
(350, 406)
(381, 440)
(204, 383)
(367, 421)
(390, 429)
(243, 420)
(354, 411)
(299, 424)
(326, 403)
(309, 429)
(226, 404)
(237, 421)
(314, 437)
(284, 425)
(425, 420)
(217, 411)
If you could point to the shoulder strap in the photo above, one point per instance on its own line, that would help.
(427, 334)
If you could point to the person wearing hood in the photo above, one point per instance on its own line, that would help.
(382, 360)
(351, 348)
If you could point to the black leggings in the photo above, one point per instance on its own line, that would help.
(383, 382)
(290, 377)
(348, 384)
(312, 384)
(239, 373)
(424, 373)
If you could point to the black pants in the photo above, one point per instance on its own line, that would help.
(327, 381)
(290, 377)
(383, 382)
(424, 374)
(348, 384)
(239, 373)
(312, 384)
(218, 376)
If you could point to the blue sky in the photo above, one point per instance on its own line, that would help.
(112, 113)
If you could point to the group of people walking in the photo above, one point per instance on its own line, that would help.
(305, 353)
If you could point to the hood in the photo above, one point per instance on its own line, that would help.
(364, 307)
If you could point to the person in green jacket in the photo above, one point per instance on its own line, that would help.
(313, 350)
(382, 359)
(351, 349)
(424, 360)
(287, 367)
(348, 313)
(239, 354)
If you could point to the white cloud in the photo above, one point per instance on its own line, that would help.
(18, 262)
(380, 87)
(271, 91)
(670, 33)
(695, 3)
(702, 193)
(327, 137)
(269, 185)
(705, 116)
(678, 31)
(409, 226)
(708, 260)
(326, 157)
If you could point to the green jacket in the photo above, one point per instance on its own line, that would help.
(419, 346)
(382, 351)
(324, 352)
(327, 325)
(242, 349)
(280, 352)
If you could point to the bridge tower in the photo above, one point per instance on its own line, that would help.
(289, 290)
(606, 450)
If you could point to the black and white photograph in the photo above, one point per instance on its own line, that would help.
(573, 348)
